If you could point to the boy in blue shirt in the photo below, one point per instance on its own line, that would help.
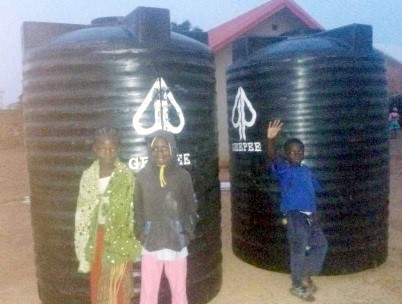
(307, 243)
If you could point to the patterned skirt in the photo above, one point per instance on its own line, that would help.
(112, 284)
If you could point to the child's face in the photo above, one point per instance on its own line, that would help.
(161, 151)
(106, 149)
(295, 154)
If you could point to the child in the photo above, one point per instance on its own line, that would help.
(105, 244)
(165, 215)
(393, 119)
(307, 243)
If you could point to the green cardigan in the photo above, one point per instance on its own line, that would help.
(120, 244)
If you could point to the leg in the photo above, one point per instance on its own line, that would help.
(125, 291)
(297, 238)
(318, 249)
(96, 267)
(151, 271)
(176, 273)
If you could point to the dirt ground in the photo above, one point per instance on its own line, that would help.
(242, 283)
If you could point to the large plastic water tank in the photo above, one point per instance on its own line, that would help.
(330, 90)
(136, 75)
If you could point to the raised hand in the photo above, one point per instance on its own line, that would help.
(274, 127)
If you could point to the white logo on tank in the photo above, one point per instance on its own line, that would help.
(159, 98)
(241, 102)
(241, 105)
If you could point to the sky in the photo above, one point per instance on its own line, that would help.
(385, 16)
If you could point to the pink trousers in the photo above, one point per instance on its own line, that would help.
(151, 272)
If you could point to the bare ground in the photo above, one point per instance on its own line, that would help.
(242, 283)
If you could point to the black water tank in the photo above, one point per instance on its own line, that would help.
(330, 90)
(134, 74)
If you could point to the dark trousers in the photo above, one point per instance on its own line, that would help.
(307, 245)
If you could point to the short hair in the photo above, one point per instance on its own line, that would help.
(106, 132)
(292, 141)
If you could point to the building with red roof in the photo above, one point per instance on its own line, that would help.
(272, 18)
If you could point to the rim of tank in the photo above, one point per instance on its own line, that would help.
(114, 37)
(305, 48)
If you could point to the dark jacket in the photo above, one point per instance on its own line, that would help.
(164, 216)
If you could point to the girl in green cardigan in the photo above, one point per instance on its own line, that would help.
(105, 244)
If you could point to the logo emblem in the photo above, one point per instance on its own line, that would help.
(159, 98)
(239, 108)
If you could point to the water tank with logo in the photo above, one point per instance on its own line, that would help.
(134, 74)
(330, 90)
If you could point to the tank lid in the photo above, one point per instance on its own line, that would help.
(353, 40)
(247, 45)
(150, 25)
(107, 21)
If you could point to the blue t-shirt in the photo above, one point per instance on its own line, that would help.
(298, 186)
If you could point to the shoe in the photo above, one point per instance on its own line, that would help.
(302, 293)
(309, 284)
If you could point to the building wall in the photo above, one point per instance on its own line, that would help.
(223, 58)
(279, 23)
(394, 76)
(282, 22)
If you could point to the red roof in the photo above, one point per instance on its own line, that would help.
(226, 33)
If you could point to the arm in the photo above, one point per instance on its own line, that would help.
(191, 205)
(273, 130)
(138, 212)
(86, 206)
